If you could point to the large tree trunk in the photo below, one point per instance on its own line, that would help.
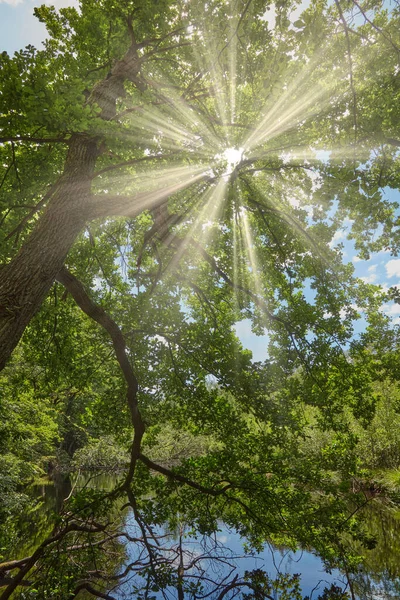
(26, 280)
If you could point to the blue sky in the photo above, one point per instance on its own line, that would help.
(19, 27)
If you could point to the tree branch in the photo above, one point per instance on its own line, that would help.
(181, 478)
(134, 161)
(98, 314)
(27, 138)
(85, 585)
(31, 561)
(378, 29)
(100, 206)
(392, 142)
(353, 91)
(33, 211)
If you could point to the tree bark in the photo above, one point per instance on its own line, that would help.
(26, 280)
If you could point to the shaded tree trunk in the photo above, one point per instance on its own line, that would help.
(26, 280)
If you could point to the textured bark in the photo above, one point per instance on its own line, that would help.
(26, 280)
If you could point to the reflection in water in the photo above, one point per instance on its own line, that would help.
(379, 576)
(206, 560)
(37, 521)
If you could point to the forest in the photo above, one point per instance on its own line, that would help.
(172, 173)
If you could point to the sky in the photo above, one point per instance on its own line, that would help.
(19, 27)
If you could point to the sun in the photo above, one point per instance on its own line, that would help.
(232, 157)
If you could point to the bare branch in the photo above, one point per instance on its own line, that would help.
(85, 585)
(378, 29)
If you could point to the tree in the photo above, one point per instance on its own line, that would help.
(199, 124)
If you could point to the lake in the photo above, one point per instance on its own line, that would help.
(217, 557)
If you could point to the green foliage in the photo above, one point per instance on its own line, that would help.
(159, 91)
(379, 443)
(101, 454)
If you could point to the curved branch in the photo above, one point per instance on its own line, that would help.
(98, 314)
(85, 585)
(238, 584)
(40, 550)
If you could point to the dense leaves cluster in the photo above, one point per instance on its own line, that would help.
(132, 246)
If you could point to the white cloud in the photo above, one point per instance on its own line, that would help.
(372, 268)
(12, 2)
(222, 539)
(347, 221)
(370, 279)
(340, 234)
(356, 259)
(243, 328)
(393, 267)
(391, 309)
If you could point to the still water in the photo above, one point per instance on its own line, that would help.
(222, 555)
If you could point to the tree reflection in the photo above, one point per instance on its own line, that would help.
(379, 574)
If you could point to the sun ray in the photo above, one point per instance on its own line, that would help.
(208, 57)
(173, 128)
(294, 104)
(200, 129)
(285, 212)
(204, 224)
(150, 199)
(252, 256)
(238, 253)
(175, 105)
(232, 67)
(172, 135)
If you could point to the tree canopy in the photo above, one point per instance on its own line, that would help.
(170, 169)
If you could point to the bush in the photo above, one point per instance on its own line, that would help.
(104, 453)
